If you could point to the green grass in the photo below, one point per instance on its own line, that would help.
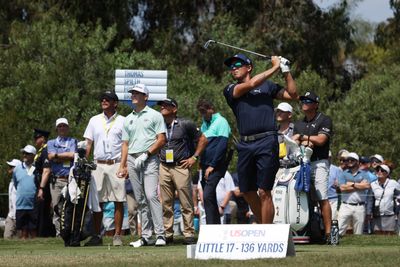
(352, 251)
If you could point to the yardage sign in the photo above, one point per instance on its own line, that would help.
(155, 80)
(244, 241)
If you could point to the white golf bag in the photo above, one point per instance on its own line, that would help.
(291, 206)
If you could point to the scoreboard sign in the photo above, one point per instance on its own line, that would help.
(155, 80)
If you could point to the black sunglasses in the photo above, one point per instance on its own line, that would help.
(381, 170)
(307, 101)
(236, 65)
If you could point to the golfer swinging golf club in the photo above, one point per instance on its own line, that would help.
(251, 100)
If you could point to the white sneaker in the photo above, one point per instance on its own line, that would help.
(160, 241)
(139, 243)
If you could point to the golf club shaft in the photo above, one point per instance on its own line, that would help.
(238, 48)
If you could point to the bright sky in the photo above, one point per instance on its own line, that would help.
(371, 10)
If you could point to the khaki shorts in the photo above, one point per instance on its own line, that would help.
(109, 186)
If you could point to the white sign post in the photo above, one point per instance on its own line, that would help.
(244, 241)
(155, 80)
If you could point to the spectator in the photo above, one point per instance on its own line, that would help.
(10, 224)
(251, 100)
(104, 133)
(224, 191)
(45, 224)
(243, 211)
(365, 165)
(142, 137)
(283, 114)
(24, 182)
(342, 156)
(385, 190)
(353, 185)
(213, 162)
(61, 153)
(333, 187)
(376, 160)
(177, 157)
(315, 131)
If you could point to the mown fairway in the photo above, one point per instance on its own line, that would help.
(353, 251)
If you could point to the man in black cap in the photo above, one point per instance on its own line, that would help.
(177, 157)
(104, 133)
(315, 131)
(44, 224)
(251, 100)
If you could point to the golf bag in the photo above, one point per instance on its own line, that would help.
(74, 201)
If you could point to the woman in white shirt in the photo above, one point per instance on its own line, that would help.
(385, 190)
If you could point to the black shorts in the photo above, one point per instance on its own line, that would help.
(258, 163)
(26, 219)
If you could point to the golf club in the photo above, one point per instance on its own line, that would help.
(209, 42)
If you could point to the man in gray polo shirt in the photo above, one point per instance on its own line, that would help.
(143, 135)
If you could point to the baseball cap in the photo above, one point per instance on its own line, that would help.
(311, 96)
(385, 167)
(61, 121)
(39, 133)
(285, 107)
(109, 95)
(241, 57)
(377, 156)
(364, 159)
(168, 101)
(343, 153)
(29, 149)
(141, 88)
(14, 162)
(353, 155)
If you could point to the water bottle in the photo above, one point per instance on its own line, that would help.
(196, 223)
(335, 233)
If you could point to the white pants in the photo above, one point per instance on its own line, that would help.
(348, 213)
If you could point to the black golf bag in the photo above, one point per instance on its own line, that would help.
(73, 213)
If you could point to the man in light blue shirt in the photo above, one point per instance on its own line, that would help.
(24, 182)
(61, 153)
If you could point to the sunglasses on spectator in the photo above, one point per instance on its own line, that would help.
(343, 160)
(381, 170)
(351, 160)
(375, 161)
(307, 101)
(236, 65)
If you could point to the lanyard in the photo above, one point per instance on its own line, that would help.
(110, 125)
(59, 139)
(39, 152)
(169, 133)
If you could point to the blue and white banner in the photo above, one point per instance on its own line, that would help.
(244, 241)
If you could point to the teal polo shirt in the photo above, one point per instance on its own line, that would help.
(141, 129)
(217, 132)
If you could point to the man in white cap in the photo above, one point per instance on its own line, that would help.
(354, 185)
(376, 160)
(104, 133)
(10, 224)
(283, 115)
(61, 153)
(24, 182)
(143, 136)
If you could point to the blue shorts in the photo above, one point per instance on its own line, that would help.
(258, 163)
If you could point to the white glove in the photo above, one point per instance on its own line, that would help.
(139, 161)
(285, 65)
